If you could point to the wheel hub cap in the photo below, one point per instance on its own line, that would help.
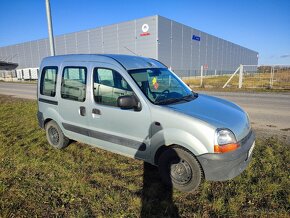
(53, 135)
(181, 172)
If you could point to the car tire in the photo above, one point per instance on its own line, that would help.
(55, 136)
(180, 169)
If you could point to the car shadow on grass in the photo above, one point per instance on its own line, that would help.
(156, 197)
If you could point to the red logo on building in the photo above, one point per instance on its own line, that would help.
(144, 34)
(145, 29)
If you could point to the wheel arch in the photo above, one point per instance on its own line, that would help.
(175, 137)
(46, 121)
(163, 148)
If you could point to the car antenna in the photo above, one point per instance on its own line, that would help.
(131, 51)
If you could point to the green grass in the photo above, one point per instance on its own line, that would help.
(81, 181)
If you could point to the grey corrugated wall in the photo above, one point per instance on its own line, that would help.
(177, 49)
(121, 38)
(168, 41)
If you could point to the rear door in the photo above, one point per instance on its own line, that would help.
(115, 129)
(73, 101)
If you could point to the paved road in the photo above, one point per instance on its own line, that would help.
(269, 112)
(20, 90)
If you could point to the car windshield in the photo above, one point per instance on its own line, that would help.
(161, 86)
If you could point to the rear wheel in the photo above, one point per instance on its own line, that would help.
(180, 169)
(55, 136)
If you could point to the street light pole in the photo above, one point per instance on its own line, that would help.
(49, 25)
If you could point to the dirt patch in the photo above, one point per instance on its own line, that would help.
(272, 126)
(264, 133)
(10, 99)
(286, 129)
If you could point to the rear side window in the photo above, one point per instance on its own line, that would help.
(109, 85)
(48, 81)
(74, 80)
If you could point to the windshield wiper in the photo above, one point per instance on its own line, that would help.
(190, 97)
(186, 98)
(168, 101)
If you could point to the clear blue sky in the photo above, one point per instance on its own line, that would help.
(261, 25)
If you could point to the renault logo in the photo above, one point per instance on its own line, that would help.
(145, 28)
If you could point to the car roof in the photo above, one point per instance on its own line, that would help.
(128, 62)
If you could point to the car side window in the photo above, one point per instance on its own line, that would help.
(73, 85)
(109, 85)
(48, 81)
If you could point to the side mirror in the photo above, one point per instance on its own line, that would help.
(128, 102)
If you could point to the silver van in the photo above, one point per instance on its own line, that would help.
(137, 107)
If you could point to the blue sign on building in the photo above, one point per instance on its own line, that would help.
(194, 37)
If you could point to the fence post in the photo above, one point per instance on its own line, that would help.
(241, 76)
(201, 76)
(272, 77)
(225, 85)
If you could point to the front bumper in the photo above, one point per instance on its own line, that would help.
(221, 167)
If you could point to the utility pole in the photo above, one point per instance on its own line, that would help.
(49, 25)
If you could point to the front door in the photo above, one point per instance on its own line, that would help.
(115, 129)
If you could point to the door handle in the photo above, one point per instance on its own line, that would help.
(96, 111)
(82, 111)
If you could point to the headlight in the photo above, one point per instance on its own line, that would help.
(225, 136)
(225, 141)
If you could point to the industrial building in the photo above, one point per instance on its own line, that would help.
(178, 46)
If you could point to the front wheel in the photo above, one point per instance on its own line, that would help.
(55, 136)
(180, 169)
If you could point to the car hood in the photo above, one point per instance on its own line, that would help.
(217, 112)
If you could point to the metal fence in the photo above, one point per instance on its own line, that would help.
(245, 76)
(271, 77)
